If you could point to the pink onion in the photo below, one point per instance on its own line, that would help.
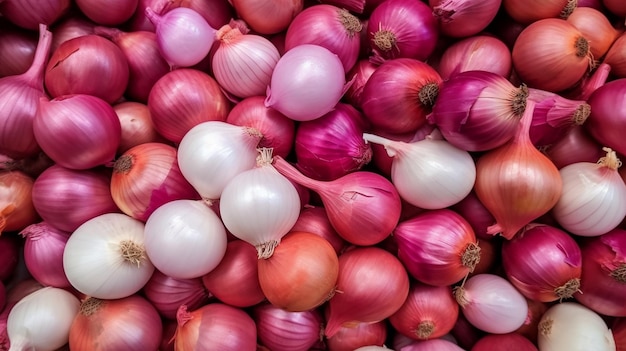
(356, 6)
(17, 50)
(278, 329)
(267, 17)
(66, 198)
(314, 220)
(464, 18)
(331, 27)
(216, 12)
(433, 345)
(332, 146)
(511, 342)
(43, 254)
(136, 125)
(363, 334)
(111, 13)
(402, 28)
(167, 294)
(608, 115)
(29, 14)
(358, 75)
(475, 213)
(301, 93)
(576, 146)
(68, 28)
(476, 53)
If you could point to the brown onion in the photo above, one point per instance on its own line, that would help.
(268, 17)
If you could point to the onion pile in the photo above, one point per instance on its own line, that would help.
(298, 175)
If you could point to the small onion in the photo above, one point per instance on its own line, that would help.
(167, 294)
(43, 254)
(278, 329)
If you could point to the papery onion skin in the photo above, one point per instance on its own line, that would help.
(464, 18)
(373, 285)
(399, 94)
(166, 294)
(278, 329)
(235, 280)
(67, 198)
(130, 323)
(437, 247)
(543, 263)
(608, 115)
(184, 98)
(602, 281)
(43, 254)
(17, 209)
(30, 14)
(76, 66)
(476, 53)
(363, 334)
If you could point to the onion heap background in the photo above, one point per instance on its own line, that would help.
(333, 175)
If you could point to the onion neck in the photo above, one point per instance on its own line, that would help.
(290, 172)
(392, 147)
(619, 273)
(132, 252)
(527, 107)
(90, 306)
(351, 23)
(568, 289)
(124, 164)
(424, 330)
(34, 75)
(471, 256)
(610, 161)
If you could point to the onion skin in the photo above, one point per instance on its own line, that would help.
(278, 329)
(16, 204)
(363, 334)
(166, 294)
(476, 53)
(464, 18)
(608, 115)
(43, 254)
(22, 13)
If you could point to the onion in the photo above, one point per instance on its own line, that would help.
(313, 219)
(184, 98)
(571, 326)
(527, 12)
(516, 182)
(437, 247)
(433, 345)
(183, 36)
(551, 54)
(278, 131)
(465, 334)
(602, 282)
(353, 337)
(511, 342)
(105, 257)
(17, 209)
(402, 29)
(278, 329)
(476, 53)
(130, 323)
(464, 18)
(70, 27)
(331, 27)
(429, 312)
(76, 66)
(268, 17)
(615, 56)
(607, 115)
(17, 50)
(301, 274)
(475, 213)
(166, 294)
(235, 280)
(77, 131)
(618, 329)
(360, 72)
(332, 146)
(301, 93)
(372, 286)
(146, 177)
(29, 14)
(491, 303)
(615, 6)
(216, 12)
(576, 146)
(66, 198)
(215, 326)
(110, 14)
(543, 263)
(399, 95)
(530, 328)
(590, 82)
(362, 206)
(596, 27)
(19, 100)
(9, 249)
(43, 254)
(136, 125)
(42, 320)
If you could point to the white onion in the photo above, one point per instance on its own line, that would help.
(213, 152)
(573, 327)
(492, 304)
(42, 320)
(593, 201)
(185, 239)
(105, 257)
(260, 206)
(430, 173)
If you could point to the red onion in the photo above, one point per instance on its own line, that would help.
(145, 64)
(478, 110)
(475, 213)
(9, 249)
(576, 146)
(608, 116)
(68, 28)
(464, 18)
(278, 132)
(356, 6)
(77, 131)
(429, 312)
(543, 263)
(215, 326)
(17, 50)
(183, 36)
(66, 198)
(332, 146)
(530, 328)
(353, 337)
(183, 98)
(169, 331)
(399, 94)
(43, 254)
(301, 93)
(216, 12)
(602, 281)
(243, 63)
(465, 333)
(354, 203)
(402, 28)
(16, 204)
(235, 280)
(20, 289)
(315, 220)
(167, 294)
(589, 83)
(278, 329)
(136, 125)
(616, 7)
(372, 286)
(331, 27)
(596, 4)
(532, 11)
(618, 329)
(29, 14)
(19, 98)
(358, 75)
(5, 344)
(111, 13)
(510, 342)
(476, 53)
(31, 166)
(267, 17)
(3, 296)
(437, 247)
